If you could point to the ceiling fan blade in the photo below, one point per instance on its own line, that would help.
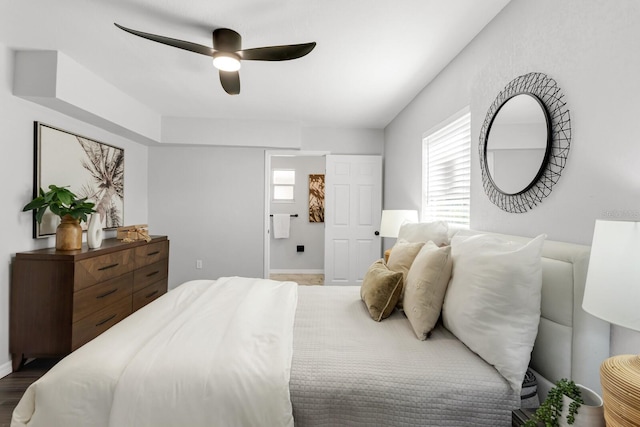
(181, 44)
(230, 82)
(277, 53)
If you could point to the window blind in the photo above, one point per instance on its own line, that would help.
(446, 173)
(283, 182)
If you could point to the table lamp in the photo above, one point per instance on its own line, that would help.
(393, 219)
(612, 293)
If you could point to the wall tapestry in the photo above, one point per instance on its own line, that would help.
(316, 198)
(89, 168)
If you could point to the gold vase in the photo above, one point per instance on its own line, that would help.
(620, 378)
(69, 234)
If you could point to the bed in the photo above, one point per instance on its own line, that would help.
(307, 355)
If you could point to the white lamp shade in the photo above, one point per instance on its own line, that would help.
(612, 291)
(393, 219)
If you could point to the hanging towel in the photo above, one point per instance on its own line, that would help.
(281, 223)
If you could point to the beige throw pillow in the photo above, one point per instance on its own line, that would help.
(380, 290)
(426, 286)
(401, 257)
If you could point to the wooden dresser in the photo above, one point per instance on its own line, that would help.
(62, 299)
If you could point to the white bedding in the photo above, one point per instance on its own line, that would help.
(140, 372)
(349, 370)
(191, 358)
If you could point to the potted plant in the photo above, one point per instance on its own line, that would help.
(71, 210)
(565, 405)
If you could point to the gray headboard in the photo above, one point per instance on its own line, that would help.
(571, 343)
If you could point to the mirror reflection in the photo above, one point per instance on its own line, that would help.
(517, 142)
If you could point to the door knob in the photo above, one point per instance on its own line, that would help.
(377, 233)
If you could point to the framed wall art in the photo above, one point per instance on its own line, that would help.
(88, 167)
(316, 198)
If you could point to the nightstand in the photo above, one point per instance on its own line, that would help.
(520, 416)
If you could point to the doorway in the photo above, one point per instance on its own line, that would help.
(299, 254)
(344, 245)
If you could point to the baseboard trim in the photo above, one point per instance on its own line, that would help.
(296, 271)
(5, 369)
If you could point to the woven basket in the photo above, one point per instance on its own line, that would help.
(620, 378)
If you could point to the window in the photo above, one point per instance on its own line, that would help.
(283, 183)
(446, 177)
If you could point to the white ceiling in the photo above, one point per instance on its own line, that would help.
(372, 56)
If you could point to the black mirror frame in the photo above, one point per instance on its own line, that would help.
(546, 91)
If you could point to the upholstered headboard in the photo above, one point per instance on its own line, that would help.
(570, 343)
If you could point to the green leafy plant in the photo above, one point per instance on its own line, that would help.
(550, 410)
(60, 201)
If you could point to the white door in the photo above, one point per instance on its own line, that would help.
(353, 205)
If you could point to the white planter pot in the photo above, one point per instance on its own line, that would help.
(590, 413)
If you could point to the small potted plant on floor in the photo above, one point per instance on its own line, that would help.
(71, 210)
(565, 405)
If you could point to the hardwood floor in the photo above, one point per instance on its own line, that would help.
(12, 386)
(301, 279)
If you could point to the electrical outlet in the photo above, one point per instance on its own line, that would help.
(198, 263)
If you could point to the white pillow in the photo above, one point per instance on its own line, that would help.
(437, 232)
(493, 301)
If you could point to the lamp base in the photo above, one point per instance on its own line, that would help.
(620, 378)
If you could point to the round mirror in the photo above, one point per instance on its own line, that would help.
(518, 142)
(524, 142)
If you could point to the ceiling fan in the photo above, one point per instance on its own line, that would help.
(227, 53)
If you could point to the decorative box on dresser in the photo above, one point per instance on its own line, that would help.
(62, 299)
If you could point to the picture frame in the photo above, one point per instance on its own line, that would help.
(316, 198)
(89, 168)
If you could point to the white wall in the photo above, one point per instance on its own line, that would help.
(283, 254)
(590, 48)
(343, 141)
(16, 174)
(210, 201)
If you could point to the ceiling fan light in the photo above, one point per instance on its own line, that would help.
(226, 61)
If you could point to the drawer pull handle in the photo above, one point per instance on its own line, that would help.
(107, 293)
(153, 273)
(151, 294)
(153, 253)
(108, 266)
(105, 320)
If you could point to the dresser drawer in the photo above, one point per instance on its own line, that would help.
(62, 299)
(152, 252)
(94, 270)
(97, 297)
(148, 294)
(145, 276)
(93, 325)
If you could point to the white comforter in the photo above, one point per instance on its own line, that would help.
(205, 354)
